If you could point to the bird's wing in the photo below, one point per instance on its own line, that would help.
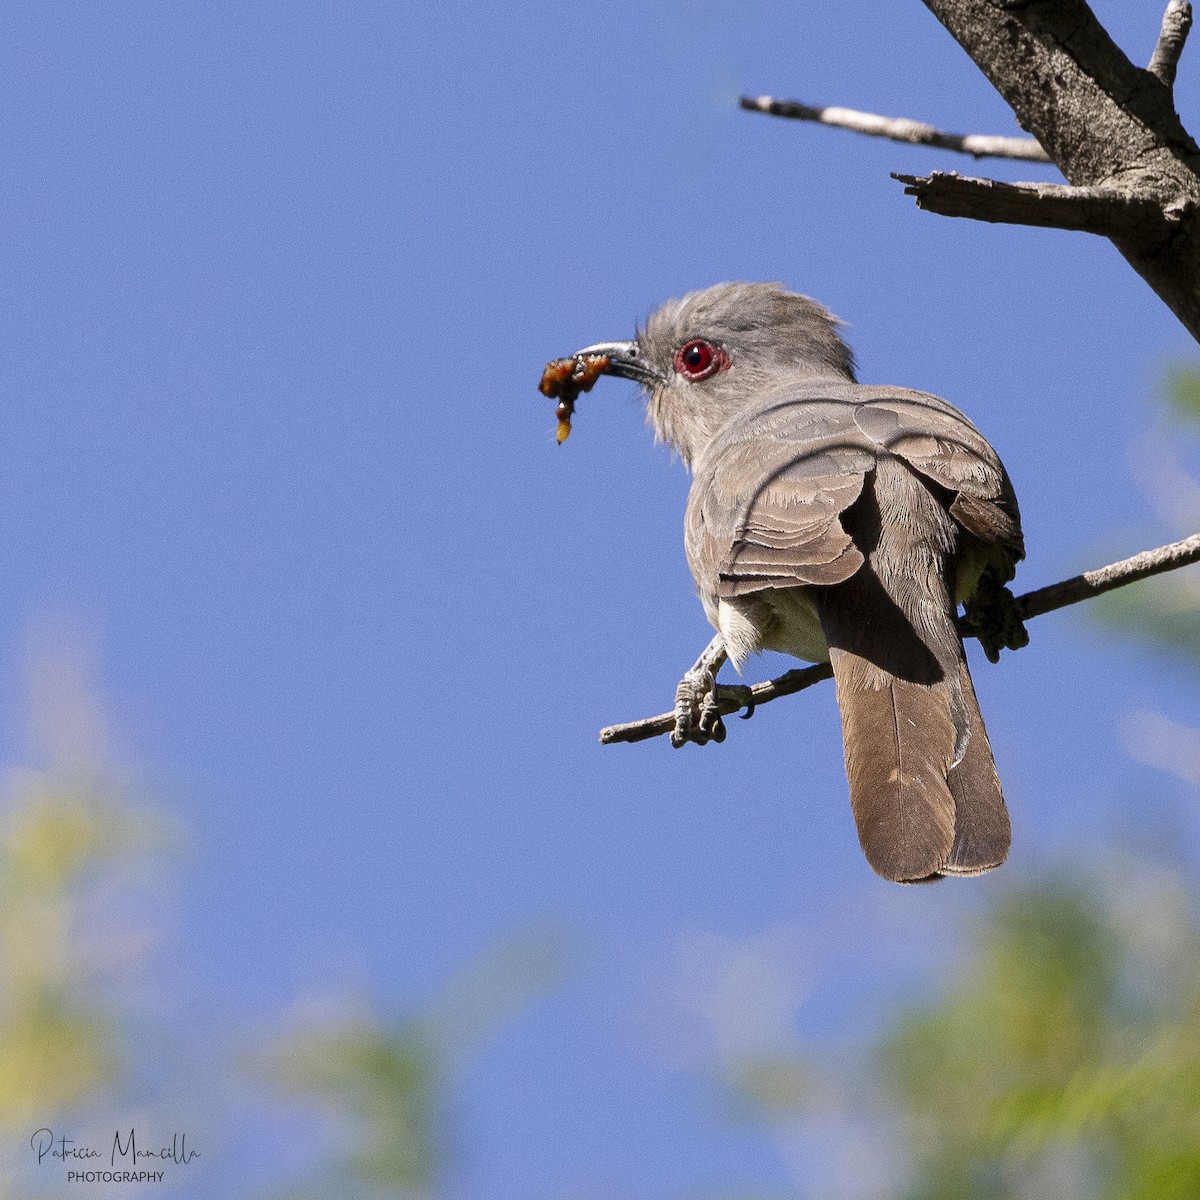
(936, 440)
(768, 494)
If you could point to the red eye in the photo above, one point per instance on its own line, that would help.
(699, 359)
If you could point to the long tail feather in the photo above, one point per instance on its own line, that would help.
(899, 742)
(923, 786)
(982, 832)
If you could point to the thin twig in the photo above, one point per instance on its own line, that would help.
(1104, 579)
(1176, 23)
(900, 129)
(1032, 604)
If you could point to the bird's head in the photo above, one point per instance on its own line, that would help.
(703, 357)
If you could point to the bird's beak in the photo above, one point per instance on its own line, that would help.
(625, 359)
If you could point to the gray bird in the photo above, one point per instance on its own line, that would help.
(838, 521)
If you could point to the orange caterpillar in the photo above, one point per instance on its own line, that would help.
(564, 378)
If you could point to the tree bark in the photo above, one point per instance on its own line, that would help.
(1105, 123)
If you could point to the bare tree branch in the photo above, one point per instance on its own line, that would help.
(1106, 211)
(1094, 583)
(900, 129)
(1110, 127)
(1103, 121)
(1032, 604)
(1176, 24)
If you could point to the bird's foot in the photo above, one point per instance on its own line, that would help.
(994, 617)
(697, 713)
(699, 701)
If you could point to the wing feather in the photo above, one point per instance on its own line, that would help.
(769, 492)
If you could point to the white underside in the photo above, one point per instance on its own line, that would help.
(780, 619)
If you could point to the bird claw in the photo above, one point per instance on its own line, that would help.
(743, 695)
(994, 617)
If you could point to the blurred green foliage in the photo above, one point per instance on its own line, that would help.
(76, 854)
(1061, 1059)
(57, 1044)
(71, 841)
(382, 1091)
(381, 1088)
(1180, 393)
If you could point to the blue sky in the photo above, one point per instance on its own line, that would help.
(281, 279)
